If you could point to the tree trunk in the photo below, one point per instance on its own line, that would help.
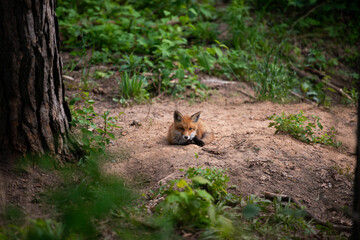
(34, 116)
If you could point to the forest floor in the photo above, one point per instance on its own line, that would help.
(256, 159)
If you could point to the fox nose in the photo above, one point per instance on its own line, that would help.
(186, 137)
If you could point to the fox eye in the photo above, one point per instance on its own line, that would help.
(181, 128)
(190, 129)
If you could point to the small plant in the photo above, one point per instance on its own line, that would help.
(93, 136)
(354, 96)
(88, 196)
(191, 206)
(316, 59)
(272, 80)
(304, 129)
(109, 123)
(316, 92)
(345, 171)
(133, 87)
(217, 180)
(102, 74)
(35, 229)
(131, 63)
(187, 205)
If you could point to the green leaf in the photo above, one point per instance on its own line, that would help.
(166, 13)
(184, 196)
(80, 111)
(201, 180)
(172, 198)
(74, 100)
(205, 195)
(331, 89)
(142, 41)
(218, 52)
(193, 12)
(225, 226)
(211, 211)
(111, 135)
(182, 183)
(185, 60)
(250, 210)
(211, 51)
(180, 74)
(221, 44)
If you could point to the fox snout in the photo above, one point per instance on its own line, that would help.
(186, 137)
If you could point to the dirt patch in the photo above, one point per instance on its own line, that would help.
(256, 159)
(24, 189)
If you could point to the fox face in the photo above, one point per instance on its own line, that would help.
(185, 126)
(189, 130)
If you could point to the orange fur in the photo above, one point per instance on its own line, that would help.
(189, 129)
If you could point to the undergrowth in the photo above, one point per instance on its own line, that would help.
(90, 204)
(94, 136)
(171, 43)
(308, 130)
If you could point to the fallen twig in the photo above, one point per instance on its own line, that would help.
(165, 179)
(246, 94)
(320, 77)
(303, 98)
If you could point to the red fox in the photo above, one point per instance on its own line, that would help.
(189, 129)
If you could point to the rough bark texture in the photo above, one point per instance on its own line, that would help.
(33, 114)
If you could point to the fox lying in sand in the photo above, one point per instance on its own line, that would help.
(189, 129)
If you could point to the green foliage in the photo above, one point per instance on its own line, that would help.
(40, 229)
(250, 211)
(274, 219)
(304, 129)
(102, 74)
(147, 41)
(87, 197)
(191, 205)
(91, 205)
(315, 92)
(237, 15)
(354, 96)
(93, 136)
(172, 42)
(325, 16)
(13, 215)
(272, 80)
(84, 200)
(217, 180)
(316, 59)
(187, 205)
(132, 88)
(291, 218)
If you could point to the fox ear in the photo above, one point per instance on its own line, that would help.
(195, 117)
(177, 116)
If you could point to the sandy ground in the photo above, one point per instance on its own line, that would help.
(256, 159)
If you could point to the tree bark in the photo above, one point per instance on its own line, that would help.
(34, 116)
